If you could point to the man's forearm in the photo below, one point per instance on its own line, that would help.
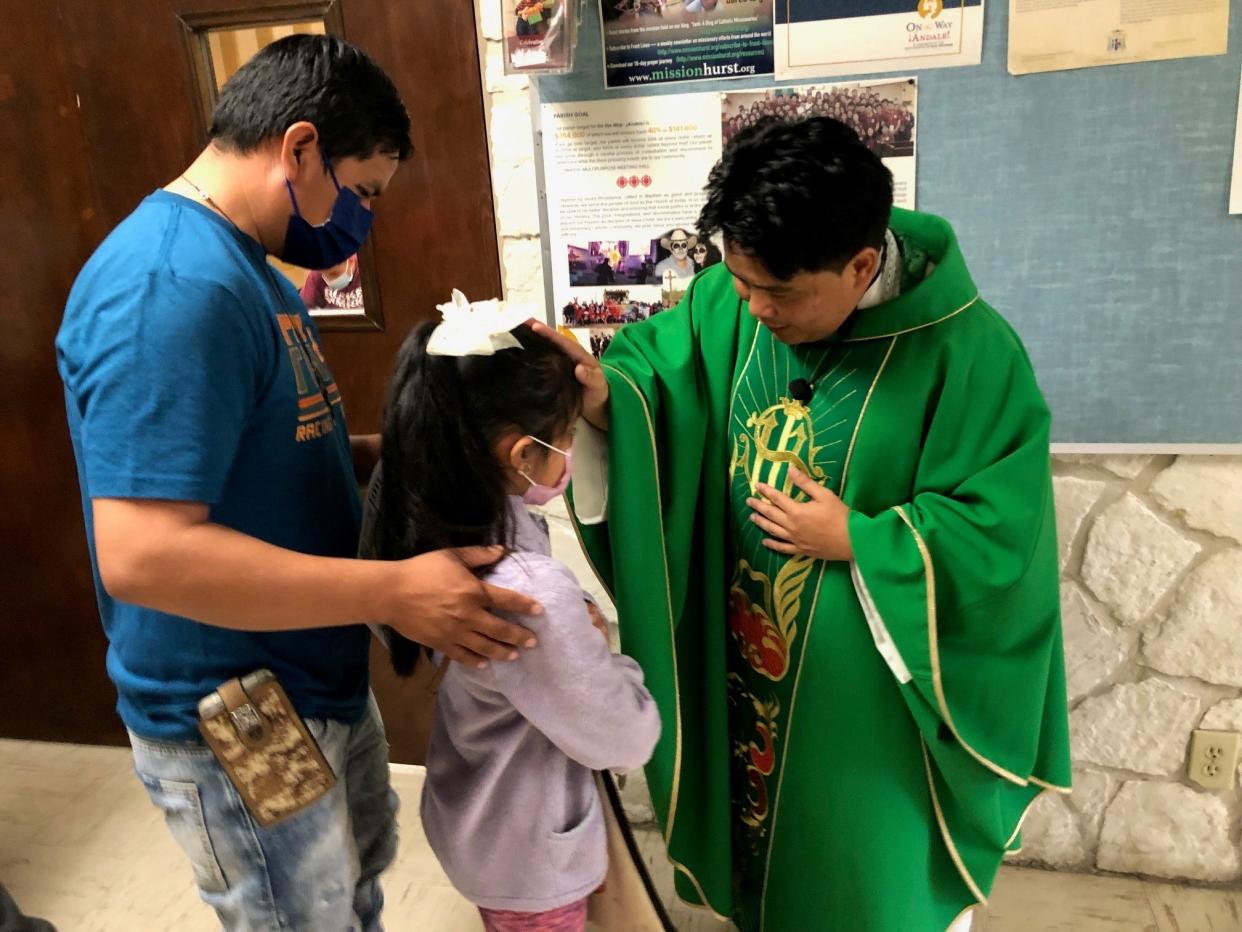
(221, 577)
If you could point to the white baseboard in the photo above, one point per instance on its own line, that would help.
(417, 770)
(1114, 449)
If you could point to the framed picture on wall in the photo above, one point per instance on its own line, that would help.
(346, 296)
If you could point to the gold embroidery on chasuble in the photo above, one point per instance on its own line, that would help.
(772, 596)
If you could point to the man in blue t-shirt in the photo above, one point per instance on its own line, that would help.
(220, 497)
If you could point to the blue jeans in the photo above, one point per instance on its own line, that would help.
(317, 871)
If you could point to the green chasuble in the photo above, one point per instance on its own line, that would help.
(803, 781)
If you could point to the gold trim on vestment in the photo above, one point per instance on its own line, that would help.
(780, 785)
(944, 831)
(1027, 811)
(737, 385)
(849, 456)
(668, 601)
(933, 646)
(705, 905)
(968, 909)
(677, 865)
(1017, 830)
(1051, 786)
(793, 702)
(587, 553)
(897, 333)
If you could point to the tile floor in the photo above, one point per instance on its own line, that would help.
(81, 846)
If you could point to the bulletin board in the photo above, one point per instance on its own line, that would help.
(1092, 209)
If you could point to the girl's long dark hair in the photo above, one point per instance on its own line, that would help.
(442, 483)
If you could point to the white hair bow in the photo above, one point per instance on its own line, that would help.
(478, 328)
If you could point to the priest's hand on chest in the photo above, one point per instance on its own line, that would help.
(816, 528)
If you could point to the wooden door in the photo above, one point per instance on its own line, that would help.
(52, 678)
(103, 103)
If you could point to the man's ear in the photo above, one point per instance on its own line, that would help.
(864, 267)
(297, 146)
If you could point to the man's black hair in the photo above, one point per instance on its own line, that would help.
(804, 196)
(322, 80)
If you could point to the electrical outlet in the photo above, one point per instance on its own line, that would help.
(1214, 758)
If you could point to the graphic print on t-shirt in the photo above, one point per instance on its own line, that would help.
(317, 389)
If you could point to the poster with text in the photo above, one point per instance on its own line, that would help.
(830, 38)
(625, 186)
(668, 41)
(883, 113)
(1056, 35)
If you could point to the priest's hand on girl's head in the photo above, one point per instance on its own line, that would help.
(817, 528)
(589, 372)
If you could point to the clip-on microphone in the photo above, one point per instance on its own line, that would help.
(801, 390)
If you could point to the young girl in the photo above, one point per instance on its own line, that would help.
(480, 423)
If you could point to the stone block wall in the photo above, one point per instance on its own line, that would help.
(1151, 558)
(507, 105)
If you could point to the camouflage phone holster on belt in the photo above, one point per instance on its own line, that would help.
(264, 747)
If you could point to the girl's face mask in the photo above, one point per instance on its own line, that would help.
(341, 281)
(539, 494)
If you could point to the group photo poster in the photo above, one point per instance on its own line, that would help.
(883, 113)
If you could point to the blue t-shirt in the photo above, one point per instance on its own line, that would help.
(193, 373)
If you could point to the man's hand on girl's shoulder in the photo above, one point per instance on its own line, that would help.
(437, 600)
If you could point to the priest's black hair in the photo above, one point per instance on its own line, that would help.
(801, 196)
(442, 484)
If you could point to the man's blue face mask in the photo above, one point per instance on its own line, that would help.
(321, 247)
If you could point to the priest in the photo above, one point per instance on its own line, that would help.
(823, 507)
